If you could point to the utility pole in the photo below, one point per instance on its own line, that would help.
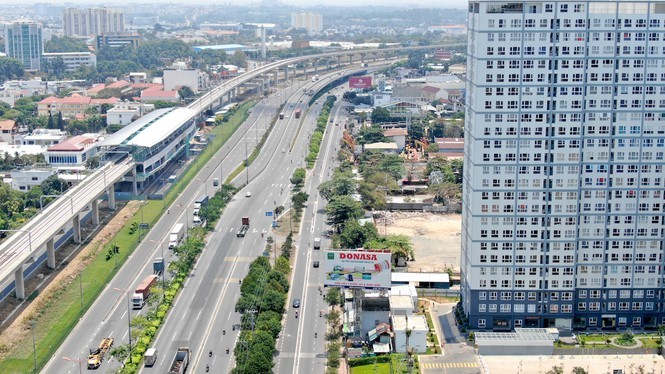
(246, 162)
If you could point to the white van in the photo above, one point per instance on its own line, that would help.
(150, 356)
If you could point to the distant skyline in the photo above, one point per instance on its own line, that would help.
(296, 3)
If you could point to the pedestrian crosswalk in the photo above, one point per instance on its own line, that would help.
(449, 365)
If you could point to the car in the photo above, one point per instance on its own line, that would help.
(316, 264)
(283, 150)
(248, 194)
(197, 220)
(296, 303)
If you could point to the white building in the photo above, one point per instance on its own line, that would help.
(85, 22)
(312, 22)
(73, 60)
(563, 219)
(124, 113)
(23, 180)
(73, 151)
(419, 329)
(41, 137)
(24, 42)
(197, 80)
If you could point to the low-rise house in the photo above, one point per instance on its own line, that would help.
(42, 137)
(151, 96)
(385, 147)
(8, 129)
(450, 147)
(24, 180)
(70, 106)
(398, 136)
(73, 151)
(124, 113)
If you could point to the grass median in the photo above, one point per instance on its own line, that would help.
(60, 310)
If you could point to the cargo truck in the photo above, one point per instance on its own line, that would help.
(180, 361)
(176, 235)
(200, 203)
(281, 116)
(150, 357)
(97, 355)
(297, 113)
(158, 266)
(317, 243)
(143, 291)
(244, 227)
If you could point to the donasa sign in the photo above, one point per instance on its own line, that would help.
(357, 256)
(357, 269)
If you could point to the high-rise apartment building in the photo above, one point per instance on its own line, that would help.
(23, 41)
(564, 196)
(86, 22)
(312, 22)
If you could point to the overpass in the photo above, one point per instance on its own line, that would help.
(22, 251)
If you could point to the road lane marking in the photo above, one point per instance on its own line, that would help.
(199, 315)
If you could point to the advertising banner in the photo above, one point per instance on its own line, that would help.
(357, 269)
(360, 82)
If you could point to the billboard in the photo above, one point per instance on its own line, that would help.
(360, 82)
(357, 269)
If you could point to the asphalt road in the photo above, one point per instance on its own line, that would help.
(203, 316)
(107, 317)
(299, 351)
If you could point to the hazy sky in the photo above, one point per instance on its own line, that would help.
(309, 4)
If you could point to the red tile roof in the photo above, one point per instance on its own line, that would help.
(158, 93)
(76, 143)
(7, 124)
(431, 89)
(118, 84)
(450, 143)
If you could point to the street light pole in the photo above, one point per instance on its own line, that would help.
(129, 321)
(33, 324)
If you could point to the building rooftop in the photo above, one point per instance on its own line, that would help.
(395, 132)
(7, 124)
(450, 143)
(73, 144)
(420, 277)
(415, 322)
(519, 337)
(401, 302)
(381, 145)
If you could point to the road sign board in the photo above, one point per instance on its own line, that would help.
(144, 226)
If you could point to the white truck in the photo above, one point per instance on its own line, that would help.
(176, 235)
(150, 357)
(317, 243)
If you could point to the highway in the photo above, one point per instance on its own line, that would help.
(299, 351)
(203, 316)
(107, 317)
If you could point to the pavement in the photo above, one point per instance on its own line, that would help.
(457, 356)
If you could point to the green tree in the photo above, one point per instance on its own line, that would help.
(340, 184)
(269, 321)
(355, 235)
(239, 59)
(186, 93)
(369, 135)
(341, 209)
(380, 115)
(298, 178)
(555, 370)
(579, 370)
(10, 68)
(65, 44)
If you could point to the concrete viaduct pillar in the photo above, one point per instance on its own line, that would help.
(19, 283)
(111, 194)
(50, 254)
(286, 73)
(134, 183)
(76, 229)
(94, 206)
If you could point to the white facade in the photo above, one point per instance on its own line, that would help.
(195, 79)
(418, 338)
(42, 137)
(124, 113)
(73, 60)
(563, 218)
(23, 180)
(84, 22)
(312, 22)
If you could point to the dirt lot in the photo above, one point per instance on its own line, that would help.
(435, 238)
(16, 330)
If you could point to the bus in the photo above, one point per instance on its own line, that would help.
(297, 113)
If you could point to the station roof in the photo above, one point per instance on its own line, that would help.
(150, 129)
